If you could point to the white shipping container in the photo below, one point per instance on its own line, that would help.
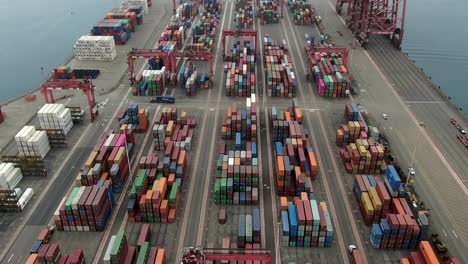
(107, 257)
(24, 199)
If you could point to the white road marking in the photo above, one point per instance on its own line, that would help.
(455, 234)
(445, 233)
(10, 258)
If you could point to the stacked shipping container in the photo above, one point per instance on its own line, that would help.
(244, 17)
(268, 12)
(31, 142)
(204, 33)
(118, 28)
(351, 132)
(51, 253)
(135, 118)
(249, 232)
(280, 78)
(426, 255)
(305, 223)
(151, 82)
(302, 11)
(240, 67)
(169, 126)
(364, 156)
(295, 161)
(330, 75)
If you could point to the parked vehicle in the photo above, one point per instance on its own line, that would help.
(356, 254)
(167, 99)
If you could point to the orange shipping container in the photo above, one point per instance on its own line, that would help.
(404, 261)
(284, 203)
(149, 195)
(428, 253)
(397, 206)
(313, 161)
(160, 256)
(164, 209)
(304, 196)
(280, 166)
(32, 259)
(298, 114)
(171, 179)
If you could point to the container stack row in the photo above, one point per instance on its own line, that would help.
(426, 255)
(352, 113)
(305, 223)
(240, 68)
(117, 28)
(9, 176)
(67, 73)
(399, 231)
(151, 82)
(188, 10)
(191, 79)
(135, 19)
(134, 118)
(295, 161)
(174, 32)
(51, 253)
(31, 142)
(136, 4)
(100, 48)
(302, 11)
(244, 17)
(237, 174)
(213, 7)
(268, 12)
(280, 77)
(170, 127)
(241, 122)
(330, 74)
(204, 33)
(109, 160)
(86, 209)
(373, 198)
(156, 190)
(120, 251)
(249, 232)
(55, 116)
(364, 157)
(351, 132)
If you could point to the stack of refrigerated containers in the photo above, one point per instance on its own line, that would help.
(349, 133)
(136, 4)
(295, 161)
(101, 48)
(51, 253)
(86, 209)
(330, 74)
(244, 17)
(31, 142)
(306, 223)
(240, 66)
(133, 17)
(9, 176)
(268, 12)
(151, 82)
(280, 77)
(249, 232)
(55, 116)
(364, 157)
(170, 127)
(118, 28)
(302, 11)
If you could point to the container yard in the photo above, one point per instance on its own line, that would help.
(175, 161)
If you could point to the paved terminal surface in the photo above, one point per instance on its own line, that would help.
(405, 95)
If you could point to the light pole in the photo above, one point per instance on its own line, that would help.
(411, 169)
(278, 225)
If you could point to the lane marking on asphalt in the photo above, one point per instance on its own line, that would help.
(443, 230)
(425, 102)
(455, 234)
(10, 258)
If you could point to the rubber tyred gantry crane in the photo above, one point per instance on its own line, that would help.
(239, 33)
(199, 255)
(86, 86)
(375, 17)
(146, 53)
(193, 56)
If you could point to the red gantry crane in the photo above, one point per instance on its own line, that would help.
(193, 56)
(375, 17)
(146, 54)
(239, 33)
(86, 86)
(199, 255)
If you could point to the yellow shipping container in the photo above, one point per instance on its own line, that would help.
(91, 159)
(324, 206)
(169, 128)
(155, 185)
(375, 198)
(90, 175)
(380, 149)
(367, 203)
(120, 155)
(365, 143)
(352, 128)
(78, 179)
(123, 128)
(294, 143)
(362, 151)
(359, 142)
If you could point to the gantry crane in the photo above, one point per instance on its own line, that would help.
(146, 53)
(239, 33)
(193, 56)
(199, 255)
(375, 17)
(86, 86)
